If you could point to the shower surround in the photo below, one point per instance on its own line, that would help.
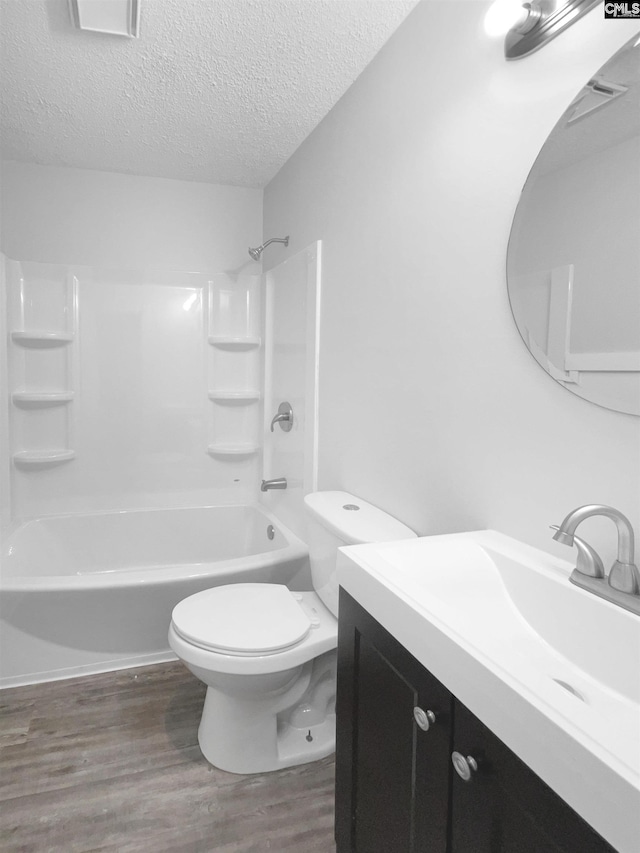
(131, 458)
(131, 387)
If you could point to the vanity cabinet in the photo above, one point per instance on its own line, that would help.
(397, 790)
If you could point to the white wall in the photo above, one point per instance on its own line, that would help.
(430, 405)
(79, 216)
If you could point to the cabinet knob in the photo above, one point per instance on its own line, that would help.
(424, 719)
(464, 767)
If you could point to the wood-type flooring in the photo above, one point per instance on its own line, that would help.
(111, 763)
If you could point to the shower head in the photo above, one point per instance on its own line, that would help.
(255, 253)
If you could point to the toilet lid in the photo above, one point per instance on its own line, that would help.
(242, 618)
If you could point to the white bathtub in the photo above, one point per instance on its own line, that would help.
(90, 593)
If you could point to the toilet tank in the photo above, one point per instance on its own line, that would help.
(336, 519)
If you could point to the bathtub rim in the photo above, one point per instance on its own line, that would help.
(294, 550)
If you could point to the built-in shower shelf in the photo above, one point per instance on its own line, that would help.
(42, 458)
(234, 342)
(41, 398)
(232, 449)
(41, 340)
(234, 397)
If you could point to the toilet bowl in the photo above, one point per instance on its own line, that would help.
(268, 655)
(248, 724)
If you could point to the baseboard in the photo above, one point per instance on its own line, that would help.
(87, 669)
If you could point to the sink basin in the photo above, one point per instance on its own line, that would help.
(552, 669)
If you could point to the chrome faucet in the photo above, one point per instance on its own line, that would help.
(622, 586)
(284, 417)
(588, 562)
(278, 483)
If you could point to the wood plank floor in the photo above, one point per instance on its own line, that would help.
(111, 763)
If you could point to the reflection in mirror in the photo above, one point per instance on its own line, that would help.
(573, 265)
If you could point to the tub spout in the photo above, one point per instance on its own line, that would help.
(278, 483)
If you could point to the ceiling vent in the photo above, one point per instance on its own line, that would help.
(115, 17)
(597, 93)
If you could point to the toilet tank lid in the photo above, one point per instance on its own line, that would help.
(353, 520)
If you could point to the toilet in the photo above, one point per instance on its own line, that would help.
(268, 655)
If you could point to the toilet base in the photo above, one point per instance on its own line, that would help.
(293, 748)
(258, 734)
(298, 746)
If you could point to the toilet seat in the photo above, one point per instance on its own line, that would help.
(245, 619)
(322, 637)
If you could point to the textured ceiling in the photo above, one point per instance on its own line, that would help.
(221, 91)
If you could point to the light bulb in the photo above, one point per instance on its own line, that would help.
(190, 302)
(503, 15)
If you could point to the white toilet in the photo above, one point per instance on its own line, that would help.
(268, 655)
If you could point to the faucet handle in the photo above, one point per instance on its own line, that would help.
(625, 577)
(588, 562)
(284, 417)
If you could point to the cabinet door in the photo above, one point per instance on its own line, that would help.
(391, 775)
(504, 807)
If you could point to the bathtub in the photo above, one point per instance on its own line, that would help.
(82, 594)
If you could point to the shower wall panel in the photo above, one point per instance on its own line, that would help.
(234, 366)
(292, 324)
(5, 501)
(110, 381)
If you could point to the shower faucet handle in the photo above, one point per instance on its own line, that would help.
(284, 417)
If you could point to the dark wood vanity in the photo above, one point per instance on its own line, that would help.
(397, 790)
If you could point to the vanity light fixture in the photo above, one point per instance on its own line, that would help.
(528, 26)
(505, 15)
(114, 17)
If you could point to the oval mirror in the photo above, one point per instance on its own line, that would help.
(573, 263)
